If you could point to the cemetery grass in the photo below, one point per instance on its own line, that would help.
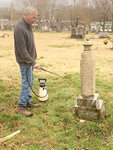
(53, 125)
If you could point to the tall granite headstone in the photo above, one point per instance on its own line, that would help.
(88, 106)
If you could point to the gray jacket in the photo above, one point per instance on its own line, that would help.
(25, 50)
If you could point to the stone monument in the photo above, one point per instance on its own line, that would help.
(77, 32)
(88, 106)
(104, 34)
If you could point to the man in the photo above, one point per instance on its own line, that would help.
(26, 55)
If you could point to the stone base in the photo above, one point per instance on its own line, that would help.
(77, 36)
(90, 101)
(90, 112)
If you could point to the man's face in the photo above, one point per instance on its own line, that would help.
(31, 18)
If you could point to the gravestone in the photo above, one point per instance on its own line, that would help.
(88, 106)
(77, 32)
(104, 35)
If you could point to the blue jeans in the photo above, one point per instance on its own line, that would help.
(25, 95)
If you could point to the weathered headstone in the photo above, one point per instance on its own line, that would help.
(104, 35)
(88, 106)
(77, 32)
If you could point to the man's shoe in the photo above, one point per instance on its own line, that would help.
(22, 110)
(29, 104)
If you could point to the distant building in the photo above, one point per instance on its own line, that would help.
(98, 27)
(6, 24)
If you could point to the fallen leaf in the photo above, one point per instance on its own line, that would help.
(78, 136)
(105, 143)
(103, 133)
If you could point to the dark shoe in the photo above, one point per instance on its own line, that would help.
(29, 104)
(22, 110)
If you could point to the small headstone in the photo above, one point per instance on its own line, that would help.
(104, 35)
(88, 106)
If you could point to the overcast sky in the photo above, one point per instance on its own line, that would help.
(5, 3)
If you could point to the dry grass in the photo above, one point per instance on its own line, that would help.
(56, 52)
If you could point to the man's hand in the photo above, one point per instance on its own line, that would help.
(36, 66)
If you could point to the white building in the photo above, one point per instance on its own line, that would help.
(98, 27)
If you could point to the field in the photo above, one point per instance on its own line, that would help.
(54, 126)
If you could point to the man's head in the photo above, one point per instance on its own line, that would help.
(30, 15)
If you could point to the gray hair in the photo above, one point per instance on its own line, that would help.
(29, 10)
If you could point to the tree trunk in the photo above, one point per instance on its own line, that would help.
(112, 23)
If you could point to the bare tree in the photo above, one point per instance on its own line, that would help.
(102, 11)
(4, 13)
(76, 11)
